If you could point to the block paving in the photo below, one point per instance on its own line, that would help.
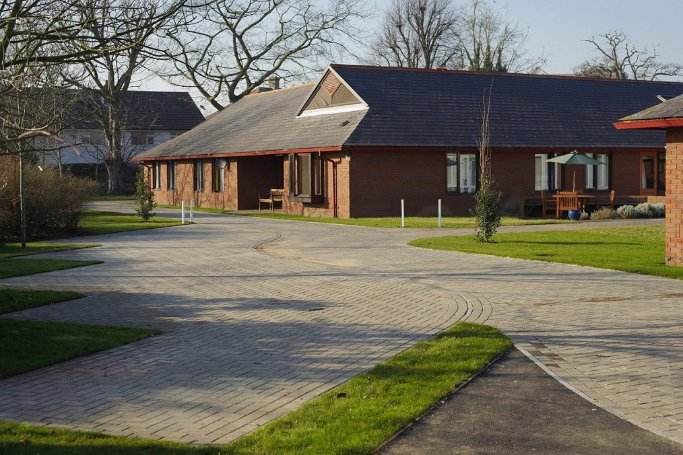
(259, 316)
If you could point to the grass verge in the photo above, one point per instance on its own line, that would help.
(96, 222)
(629, 249)
(9, 266)
(355, 417)
(27, 345)
(420, 222)
(21, 299)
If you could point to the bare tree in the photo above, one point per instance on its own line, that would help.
(107, 76)
(489, 42)
(227, 48)
(417, 34)
(618, 58)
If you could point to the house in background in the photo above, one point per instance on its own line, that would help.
(668, 116)
(149, 119)
(362, 138)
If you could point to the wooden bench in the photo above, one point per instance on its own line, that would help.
(275, 195)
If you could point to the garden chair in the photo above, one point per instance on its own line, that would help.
(548, 205)
(566, 200)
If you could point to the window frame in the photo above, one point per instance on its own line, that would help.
(198, 175)
(454, 172)
(599, 177)
(217, 176)
(307, 176)
(552, 177)
(170, 175)
(156, 175)
(136, 138)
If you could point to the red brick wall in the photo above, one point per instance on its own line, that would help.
(674, 196)
(373, 183)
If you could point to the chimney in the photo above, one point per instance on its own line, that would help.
(274, 82)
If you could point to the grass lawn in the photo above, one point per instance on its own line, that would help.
(21, 299)
(10, 267)
(386, 222)
(353, 418)
(95, 222)
(27, 345)
(630, 249)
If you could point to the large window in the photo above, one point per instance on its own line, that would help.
(597, 177)
(156, 175)
(170, 175)
(199, 175)
(141, 138)
(461, 173)
(547, 176)
(218, 175)
(306, 175)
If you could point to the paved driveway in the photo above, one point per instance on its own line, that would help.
(260, 316)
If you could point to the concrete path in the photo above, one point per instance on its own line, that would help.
(514, 407)
(261, 315)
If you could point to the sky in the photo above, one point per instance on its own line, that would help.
(557, 29)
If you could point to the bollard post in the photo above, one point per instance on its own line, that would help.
(403, 214)
(439, 205)
(182, 212)
(191, 209)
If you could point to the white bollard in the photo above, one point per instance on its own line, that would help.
(182, 212)
(191, 209)
(403, 214)
(439, 205)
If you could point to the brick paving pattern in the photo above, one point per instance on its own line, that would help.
(260, 316)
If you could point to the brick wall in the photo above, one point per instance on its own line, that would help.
(373, 183)
(674, 196)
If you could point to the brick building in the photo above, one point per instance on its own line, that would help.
(668, 116)
(362, 138)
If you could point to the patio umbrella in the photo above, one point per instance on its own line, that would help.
(575, 158)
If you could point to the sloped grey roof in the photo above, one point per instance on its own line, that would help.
(262, 122)
(432, 108)
(142, 110)
(441, 108)
(672, 108)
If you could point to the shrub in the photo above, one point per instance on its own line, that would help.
(604, 214)
(486, 211)
(584, 216)
(53, 203)
(627, 211)
(144, 197)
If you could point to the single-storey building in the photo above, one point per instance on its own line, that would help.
(668, 116)
(362, 138)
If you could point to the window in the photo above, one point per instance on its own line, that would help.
(547, 176)
(306, 175)
(170, 175)
(141, 138)
(461, 172)
(199, 175)
(218, 175)
(156, 175)
(597, 177)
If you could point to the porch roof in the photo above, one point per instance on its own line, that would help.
(666, 114)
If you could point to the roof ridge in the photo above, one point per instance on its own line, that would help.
(279, 90)
(496, 74)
